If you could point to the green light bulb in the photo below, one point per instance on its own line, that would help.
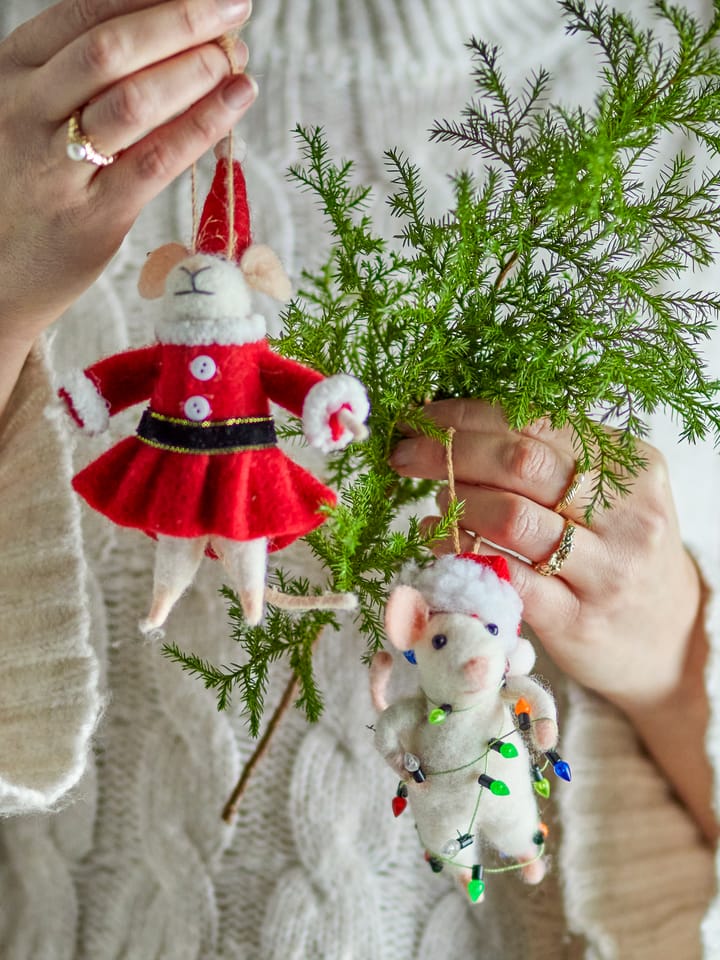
(542, 787)
(476, 886)
(475, 889)
(507, 750)
(499, 788)
(437, 715)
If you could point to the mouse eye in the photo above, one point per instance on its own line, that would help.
(492, 628)
(439, 641)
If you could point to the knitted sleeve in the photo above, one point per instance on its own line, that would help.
(48, 673)
(637, 877)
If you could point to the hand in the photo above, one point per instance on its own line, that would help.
(619, 616)
(624, 614)
(151, 84)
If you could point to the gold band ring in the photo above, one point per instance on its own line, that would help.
(570, 494)
(80, 147)
(554, 563)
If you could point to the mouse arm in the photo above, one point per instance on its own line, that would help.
(394, 729)
(94, 395)
(543, 714)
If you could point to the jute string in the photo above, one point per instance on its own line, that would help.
(451, 485)
(231, 198)
(195, 210)
(228, 43)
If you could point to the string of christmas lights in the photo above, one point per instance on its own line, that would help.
(501, 745)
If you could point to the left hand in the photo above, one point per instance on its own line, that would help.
(620, 614)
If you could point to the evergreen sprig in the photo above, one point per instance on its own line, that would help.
(554, 286)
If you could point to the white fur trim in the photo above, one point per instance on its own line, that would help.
(326, 398)
(454, 585)
(224, 331)
(87, 402)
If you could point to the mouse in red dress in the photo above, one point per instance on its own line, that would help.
(203, 473)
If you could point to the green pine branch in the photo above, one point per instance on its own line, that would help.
(553, 286)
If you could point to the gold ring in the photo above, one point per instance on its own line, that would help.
(570, 494)
(80, 147)
(554, 563)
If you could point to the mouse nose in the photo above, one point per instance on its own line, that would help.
(475, 669)
(197, 271)
(192, 275)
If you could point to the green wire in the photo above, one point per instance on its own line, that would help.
(439, 773)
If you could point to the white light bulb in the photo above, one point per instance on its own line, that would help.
(451, 849)
(411, 762)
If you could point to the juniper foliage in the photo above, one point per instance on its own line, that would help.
(554, 286)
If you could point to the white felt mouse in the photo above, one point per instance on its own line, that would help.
(203, 473)
(465, 744)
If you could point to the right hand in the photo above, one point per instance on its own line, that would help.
(150, 82)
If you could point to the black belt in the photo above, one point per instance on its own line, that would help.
(208, 436)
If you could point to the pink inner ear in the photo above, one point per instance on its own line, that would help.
(156, 268)
(406, 617)
(264, 272)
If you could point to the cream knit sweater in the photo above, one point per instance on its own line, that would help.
(114, 765)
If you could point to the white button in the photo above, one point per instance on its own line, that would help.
(203, 368)
(197, 408)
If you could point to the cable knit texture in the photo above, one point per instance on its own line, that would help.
(47, 668)
(138, 864)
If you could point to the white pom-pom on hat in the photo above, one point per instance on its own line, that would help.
(239, 149)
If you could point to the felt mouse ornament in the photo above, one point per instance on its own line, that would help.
(462, 745)
(204, 474)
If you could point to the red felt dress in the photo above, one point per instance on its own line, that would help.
(160, 484)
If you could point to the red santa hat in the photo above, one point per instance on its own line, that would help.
(214, 227)
(498, 564)
(474, 584)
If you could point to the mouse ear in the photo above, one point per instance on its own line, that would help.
(264, 272)
(157, 266)
(406, 617)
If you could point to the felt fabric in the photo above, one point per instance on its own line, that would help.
(120, 381)
(463, 585)
(84, 403)
(208, 300)
(241, 495)
(461, 664)
(138, 863)
(446, 804)
(324, 401)
(214, 228)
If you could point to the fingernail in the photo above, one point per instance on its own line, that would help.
(242, 54)
(240, 92)
(234, 11)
